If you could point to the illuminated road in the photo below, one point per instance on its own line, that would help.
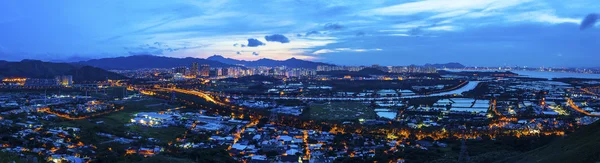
(203, 95)
(589, 92)
(576, 108)
(69, 117)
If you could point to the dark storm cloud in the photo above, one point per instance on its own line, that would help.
(333, 26)
(588, 21)
(277, 38)
(254, 43)
(312, 33)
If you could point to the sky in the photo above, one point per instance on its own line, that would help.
(395, 32)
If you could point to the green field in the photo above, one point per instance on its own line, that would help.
(114, 123)
(341, 111)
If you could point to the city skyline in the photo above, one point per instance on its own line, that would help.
(518, 32)
(299, 81)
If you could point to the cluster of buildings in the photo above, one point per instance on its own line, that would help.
(273, 143)
(390, 69)
(79, 109)
(61, 80)
(153, 119)
(58, 144)
(205, 71)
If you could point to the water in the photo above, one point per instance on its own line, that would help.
(387, 115)
(470, 86)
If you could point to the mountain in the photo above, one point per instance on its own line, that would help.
(366, 72)
(445, 65)
(291, 63)
(580, 146)
(147, 61)
(39, 69)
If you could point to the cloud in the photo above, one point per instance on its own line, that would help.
(542, 17)
(238, 53)
(415, 31)
(400, 34)
(360, 34)
(145, 53)
(243, 45)
(333, 26)
(254, 43)
(588, 21)
(277, 38)
(255, 53)
(449, 8)
(323, 51)
(146, 49)
(235, 45)
(442, 28)
(312, 33)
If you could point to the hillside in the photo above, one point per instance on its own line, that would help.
(291, 63)
(445, 65)
(366, 72)
(39, 69)
(580, 146)
(148, 61)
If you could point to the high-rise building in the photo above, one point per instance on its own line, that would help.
(64, 80)
(194, 69)
(180, 70)
(219, 72)
(205, 70)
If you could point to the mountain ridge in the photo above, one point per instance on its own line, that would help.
(40, 69)
(445, 65)
(291, 63)
(147, 61)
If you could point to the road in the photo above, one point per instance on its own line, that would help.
(576, 108)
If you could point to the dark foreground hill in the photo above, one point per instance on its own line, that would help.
(580, 146)
(39, 69)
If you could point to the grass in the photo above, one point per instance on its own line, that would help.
(114, 123)
(163, 134)
(580, 146)
(341, 111)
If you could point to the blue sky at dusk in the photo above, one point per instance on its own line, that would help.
(472, 32)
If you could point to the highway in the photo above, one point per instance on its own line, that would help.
(576, 108)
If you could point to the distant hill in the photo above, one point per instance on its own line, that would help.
(580, 146)
(148, 61)
(39, 69)
(291, 63)
(366, 72)
(479, 73)
(445, 65)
